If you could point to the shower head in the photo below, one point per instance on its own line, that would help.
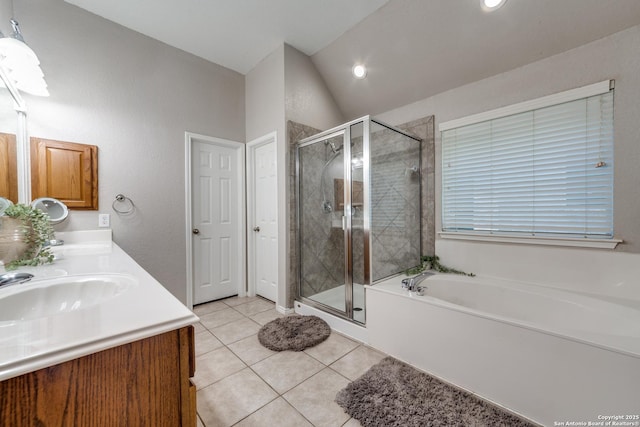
(332, 145)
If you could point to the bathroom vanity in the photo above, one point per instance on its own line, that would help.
(93, 339)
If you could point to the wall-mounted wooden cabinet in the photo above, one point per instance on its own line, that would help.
(8, 168)
(66, 171)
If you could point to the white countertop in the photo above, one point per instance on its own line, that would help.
(144, 310)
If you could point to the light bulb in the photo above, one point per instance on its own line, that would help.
(359, 71)
(490, 5)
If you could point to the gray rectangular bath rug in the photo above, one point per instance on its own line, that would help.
(393, 393)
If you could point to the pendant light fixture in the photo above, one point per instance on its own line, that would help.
(19, 63)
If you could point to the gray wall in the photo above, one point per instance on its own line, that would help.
(614, 57)
(134, 98)
(285, 84)
(307, 98)
(264, 96)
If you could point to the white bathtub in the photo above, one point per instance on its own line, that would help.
(550, 355)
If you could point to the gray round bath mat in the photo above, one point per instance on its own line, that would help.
(293, 333)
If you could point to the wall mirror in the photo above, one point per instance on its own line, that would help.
(32, 168)
(14, 159)
(8, 167)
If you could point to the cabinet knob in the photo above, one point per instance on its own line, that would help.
(256, 229)
(196, 231)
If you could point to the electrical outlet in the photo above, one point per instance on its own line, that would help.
(104, 220)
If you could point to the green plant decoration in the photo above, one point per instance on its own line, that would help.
(433, 263)
(37, 231)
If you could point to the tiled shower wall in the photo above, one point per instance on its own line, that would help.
(424, 129)
(295, 132)
(322, 244)
(392, 209)
(395, 202)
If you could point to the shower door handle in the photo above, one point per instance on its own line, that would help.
(256, 229)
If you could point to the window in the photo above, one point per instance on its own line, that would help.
(543, 168)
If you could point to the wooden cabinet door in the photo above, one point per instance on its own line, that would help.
(8, 168)
(66, 171)
(143, 383)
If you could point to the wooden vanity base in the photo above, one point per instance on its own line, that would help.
(144, 383)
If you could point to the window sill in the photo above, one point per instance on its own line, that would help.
(534, 240)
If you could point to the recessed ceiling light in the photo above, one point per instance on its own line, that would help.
(490, 5)
(359, 71)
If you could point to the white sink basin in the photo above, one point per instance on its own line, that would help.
(45, 298)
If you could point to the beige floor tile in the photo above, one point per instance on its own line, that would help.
(230, 400)
(197, 327)
(230, 393)
(266, 316)
(277, 413)
(215, 365)
(286, 369)
(314, 399)
(250, 350)
(219, 318)
(236, 330)
(210, 307)
(205, 342)
(255, 307)
(332, 349)
(356, 363)
(233, 301)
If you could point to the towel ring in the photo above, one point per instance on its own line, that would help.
(120, 198)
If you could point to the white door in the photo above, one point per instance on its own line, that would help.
(265, 220)
(215, 221)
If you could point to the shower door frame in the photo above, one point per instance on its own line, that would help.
(345, 130)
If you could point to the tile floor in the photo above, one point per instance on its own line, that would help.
(241, 383)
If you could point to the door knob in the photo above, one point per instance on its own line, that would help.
(256, 229)
(196, 231)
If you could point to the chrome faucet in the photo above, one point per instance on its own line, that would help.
(412, 283)
(14, 278)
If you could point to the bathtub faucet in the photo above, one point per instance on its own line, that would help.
(411, 284)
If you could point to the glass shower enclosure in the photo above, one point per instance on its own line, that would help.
(358, 213)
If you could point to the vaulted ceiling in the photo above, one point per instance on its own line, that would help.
(412, 48)
(236, 34)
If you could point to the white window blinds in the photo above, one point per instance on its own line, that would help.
(543, 172)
